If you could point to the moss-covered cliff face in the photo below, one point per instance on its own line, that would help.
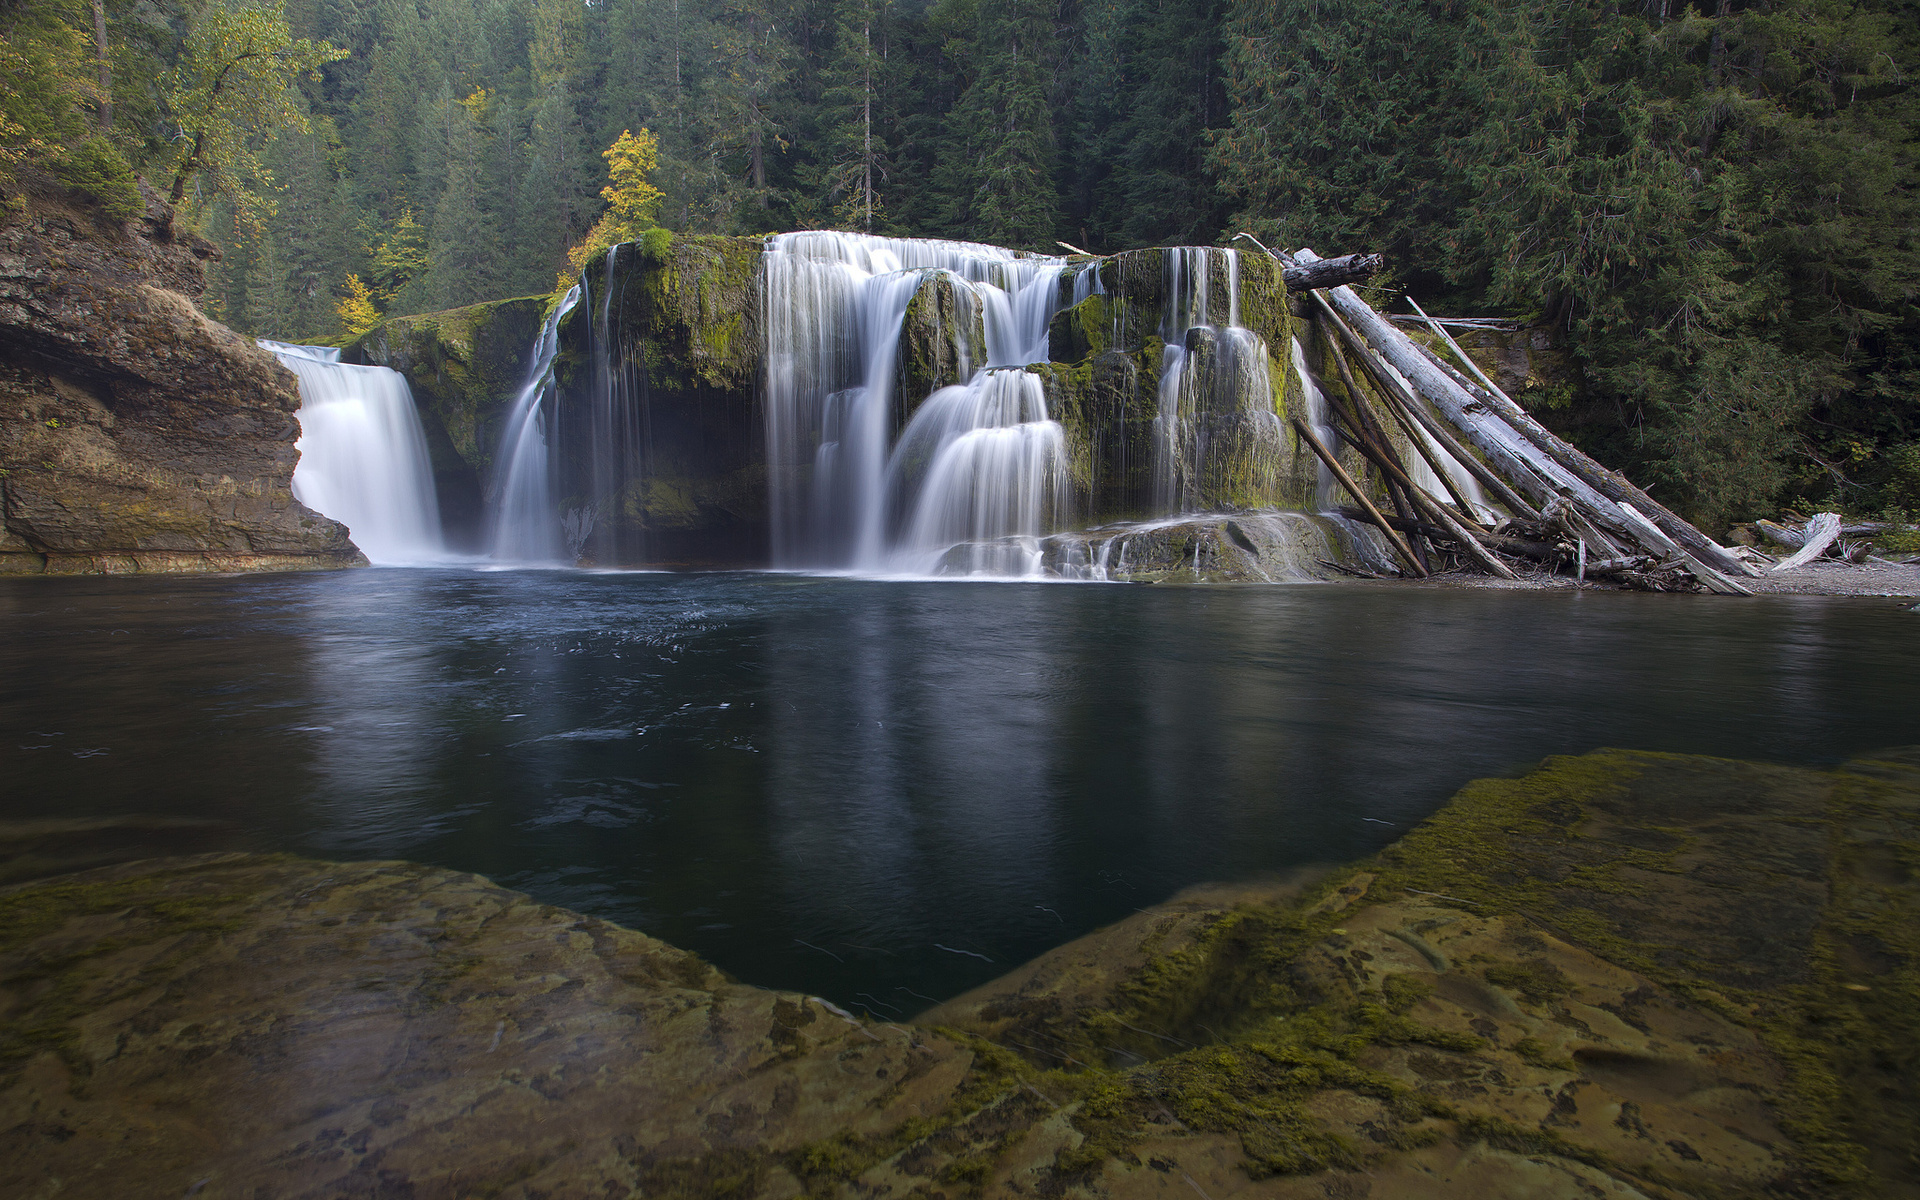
(670, 327)
(464, 366)
(943, 339)
(1628, 975)
(1232, 447)
(135, 433)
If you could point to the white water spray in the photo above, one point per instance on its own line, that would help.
(363, 455)
(977, 467)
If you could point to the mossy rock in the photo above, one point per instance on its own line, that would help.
(943, 340)
(1622, 974)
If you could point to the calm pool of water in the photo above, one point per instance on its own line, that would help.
(877, 792)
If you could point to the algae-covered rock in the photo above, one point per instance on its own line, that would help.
(1620, 975)
(659, 376)
(943, 340)
(1248, 547)
(1197, 426)
(135, 433)
(464, 366)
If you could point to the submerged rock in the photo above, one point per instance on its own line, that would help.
(1623, 974)
(136, 434)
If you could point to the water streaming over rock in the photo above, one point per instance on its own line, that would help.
(363, 455)
(979, 461)
(525, 524)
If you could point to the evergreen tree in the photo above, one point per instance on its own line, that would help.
(856, 116)
(999, 181)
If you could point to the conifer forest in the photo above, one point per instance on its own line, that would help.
(1711, 206)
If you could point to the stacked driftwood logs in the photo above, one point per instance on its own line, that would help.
(1566, 509)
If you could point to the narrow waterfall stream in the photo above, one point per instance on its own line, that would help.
(524, 521)
(363, 455)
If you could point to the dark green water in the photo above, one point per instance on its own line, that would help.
(877, 792)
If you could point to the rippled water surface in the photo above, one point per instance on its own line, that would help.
(879, 792)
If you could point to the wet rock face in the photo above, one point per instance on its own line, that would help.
(135, 433)
(943, 339)
(1227, 440)
(673, 329)
(1623, 975)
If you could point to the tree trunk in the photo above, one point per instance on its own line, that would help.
(1821, 532)
(1610, 484)
(106, 67)
(1332, 272)
(1353, 489)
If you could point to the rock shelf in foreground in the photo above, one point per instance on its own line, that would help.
(1622, 975)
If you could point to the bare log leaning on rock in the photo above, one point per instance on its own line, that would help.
(1405, 408)
(1529, 468)
(1359, 494)
(1821, 532)
(1610, 484)
(1332, 272)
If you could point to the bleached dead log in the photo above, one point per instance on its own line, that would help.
(1530, 468)
(1793, 537)
(1611, 484)
(1821, 533)
(1413, 437)
(1410, 408)
(1332, 272)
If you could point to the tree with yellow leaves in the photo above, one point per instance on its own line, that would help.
(357, 311)
(632, 202)
(235, 82)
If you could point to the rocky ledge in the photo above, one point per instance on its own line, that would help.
(135, 433)
(1622, 975)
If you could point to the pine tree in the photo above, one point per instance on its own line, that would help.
(856, 115)
(999, 181)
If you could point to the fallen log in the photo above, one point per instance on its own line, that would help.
(1413, 437)
(1611, 484)
(1401, 505)
(1488, 430)
(1821, 532)
(1332, 272)
(1393, 393)
(1353, 489)
(1513, 547)
(1793, 539)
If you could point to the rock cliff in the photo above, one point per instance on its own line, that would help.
(136, 434)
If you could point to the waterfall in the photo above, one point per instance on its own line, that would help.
(525, 521)
(977, 462)
(363, 455)
(1212, 373)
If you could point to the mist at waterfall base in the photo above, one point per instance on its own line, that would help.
(853, 788)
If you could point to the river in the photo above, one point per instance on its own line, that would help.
(879, 792)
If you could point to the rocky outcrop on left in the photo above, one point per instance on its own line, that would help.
(137, 434)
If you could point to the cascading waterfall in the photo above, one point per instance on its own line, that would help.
(993, 477)
(978, 462)
(526, 523)
(363, 455)
(1232, 377)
